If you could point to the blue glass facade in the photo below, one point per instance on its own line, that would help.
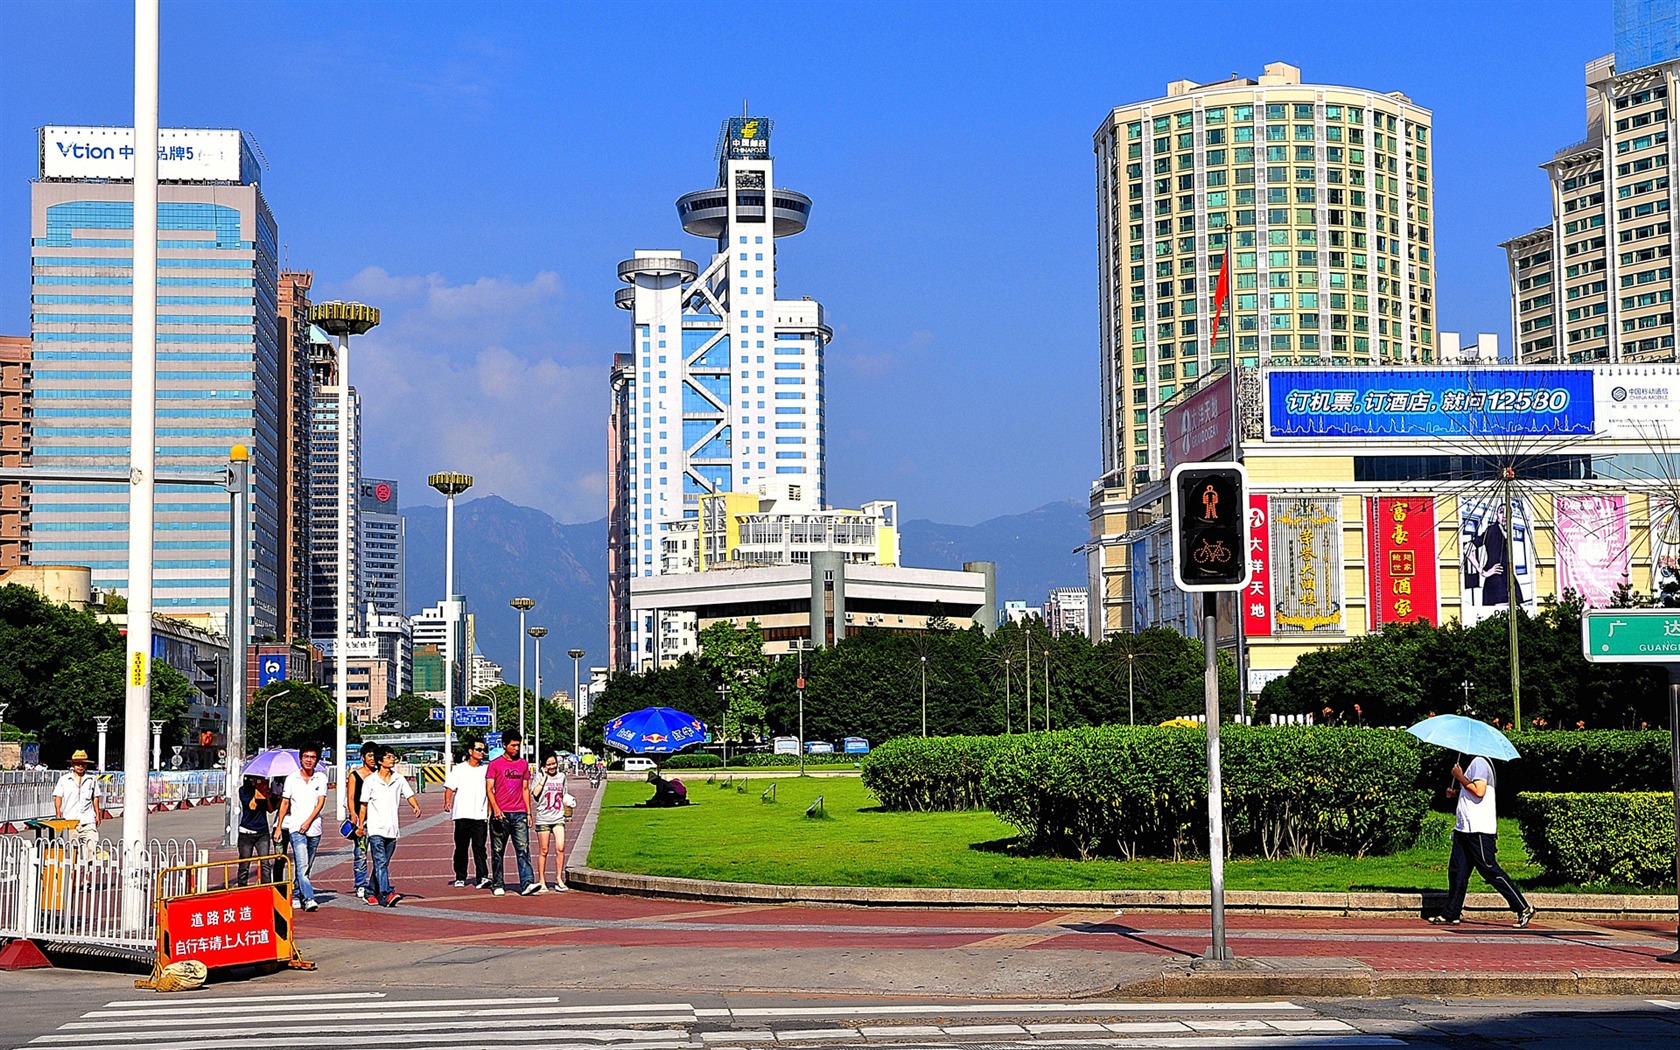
(1647, 33)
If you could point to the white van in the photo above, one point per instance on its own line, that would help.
(785, 745)
(637, 764)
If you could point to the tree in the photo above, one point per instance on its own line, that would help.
(306, 714)
(736, 658)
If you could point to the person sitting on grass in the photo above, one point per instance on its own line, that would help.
(666, 792)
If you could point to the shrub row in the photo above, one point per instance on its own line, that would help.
(931, 773)
(1609, 837)
(692, 762)
(757, 760)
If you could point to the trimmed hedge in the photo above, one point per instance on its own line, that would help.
(931, 773)
(1611, 837)
(692, 762)
(1142, 791)
(757, 760)
(1589, 760)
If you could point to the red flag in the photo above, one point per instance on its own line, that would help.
(1219, 294)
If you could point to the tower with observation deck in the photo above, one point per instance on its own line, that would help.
(721, 388)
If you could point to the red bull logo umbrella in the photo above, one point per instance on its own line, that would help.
(654, 731)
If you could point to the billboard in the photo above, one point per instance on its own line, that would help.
(1307, 564)
(1257, 597)
(271, 668)
(1199, 427)
(1494, 559)
(1629, 401)
(1401, 558)
(1665, 546)
(184, 154)
(747, 138)
(1592, 546)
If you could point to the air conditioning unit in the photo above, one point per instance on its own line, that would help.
(848, 617)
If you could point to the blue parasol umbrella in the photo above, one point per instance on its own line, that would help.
(277, 762)
(654, 731)
(1464, 735)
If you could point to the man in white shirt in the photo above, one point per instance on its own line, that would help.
(1475, 838)
(467, 797)
(299, 826)
(76, 797)
(382, 799)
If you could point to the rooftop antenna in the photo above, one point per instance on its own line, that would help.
(744, 110)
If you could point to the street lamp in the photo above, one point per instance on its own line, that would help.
(801, 644)
(1469, 687)
(102, 725)
(577, 702)
(539, 633)
(451, 484)
(342, 320)
(924, 694)
(157, 743)
(723, 691)
(266, 700)
(1131, 710)
(3, 734)
(524, 605)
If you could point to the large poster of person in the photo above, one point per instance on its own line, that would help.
(1592, 546)
(1665, 549)
(1497, 560)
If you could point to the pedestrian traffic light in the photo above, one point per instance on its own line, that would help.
(1210, 526)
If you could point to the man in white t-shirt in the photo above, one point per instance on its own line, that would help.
(76, 797)
(382, 797)
(299, 826)
(1475, 839)
(466, 796)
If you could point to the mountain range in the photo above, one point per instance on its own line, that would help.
(503, 550)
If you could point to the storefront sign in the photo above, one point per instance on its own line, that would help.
(1199, 428)
(1401, 557)
(1307, 564)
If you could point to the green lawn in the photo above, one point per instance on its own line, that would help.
(732, 836)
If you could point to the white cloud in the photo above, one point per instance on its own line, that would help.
(481, 378)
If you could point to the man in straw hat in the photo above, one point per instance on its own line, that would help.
(76, 797)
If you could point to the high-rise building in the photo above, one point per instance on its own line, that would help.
(297, 398)
(1597, 283)
(323, 493)
(722, 387)
(217, 358)
(382, 537)
(1322, 196)
(14, 448)
(1066, 609)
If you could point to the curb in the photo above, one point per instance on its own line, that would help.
(1254, 978)
(1581, 907)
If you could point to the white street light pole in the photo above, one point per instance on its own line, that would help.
(577, 702)
(102, 725)
(239, 628)
(451, 485)
(266, 701)
(924, 696)
(723, 691)
(539, 633)
(1131, 710)
(524, 605)
(802, 644)
(142, 461)
(3, 734)
(157, 742)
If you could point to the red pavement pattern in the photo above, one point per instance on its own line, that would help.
(433, 911)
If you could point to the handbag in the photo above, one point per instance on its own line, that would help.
(348, 828)
(571, 804)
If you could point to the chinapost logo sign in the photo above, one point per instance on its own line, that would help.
(1401, 542)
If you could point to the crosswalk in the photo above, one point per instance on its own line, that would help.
(210, 1021)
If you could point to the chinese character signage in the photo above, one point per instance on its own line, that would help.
(230, 928)
(1306, 559)
(1401, 556)
(184, 154)
(1257, 597)
(1497, 563)
(748, 138)
(1592, 546)
(1199, 428)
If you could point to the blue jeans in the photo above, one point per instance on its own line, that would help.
(359, 859)
(513, 826)
(303, 859)
(382, 850)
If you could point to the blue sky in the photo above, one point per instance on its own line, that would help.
(477, 170)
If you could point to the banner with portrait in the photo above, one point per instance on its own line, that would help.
(1665, 547)
(1593, 553)
(1307, 564)
(1494, 559)
(1401, 559)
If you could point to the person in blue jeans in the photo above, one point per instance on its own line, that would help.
(353, 798)
(299, 824)
(508, 779)
(381, 803)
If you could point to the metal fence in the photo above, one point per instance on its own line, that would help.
(28, 795)
(64, 893)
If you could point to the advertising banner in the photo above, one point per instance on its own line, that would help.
(1463, 402)
(1401, 560)
(1306, 560)
(1200, 426)
(1592, 546)
(1665, 546)
(1636, 401)
(1257, 598)
(1143, 591)
(1493, 559)
(184, 154)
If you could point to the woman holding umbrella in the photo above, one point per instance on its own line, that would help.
(1476, 827)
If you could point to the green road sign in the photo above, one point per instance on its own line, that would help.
(1631, 635)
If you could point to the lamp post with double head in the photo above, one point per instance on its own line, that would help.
(577, 702)
(451, 484)
(342, 320)
(157, 743)
(524, 605)
(102, 726)
(3, 734)
(539, 633)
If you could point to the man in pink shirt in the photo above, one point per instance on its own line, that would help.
(509, 781)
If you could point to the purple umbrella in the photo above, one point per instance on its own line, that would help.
(278, 762)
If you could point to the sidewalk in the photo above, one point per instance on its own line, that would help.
(1059, 950)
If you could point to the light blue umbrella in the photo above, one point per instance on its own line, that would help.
(1465, 735)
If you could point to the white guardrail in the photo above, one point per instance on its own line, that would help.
(60, 892)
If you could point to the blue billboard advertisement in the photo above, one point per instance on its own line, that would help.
(271, 668)
(1408, 402)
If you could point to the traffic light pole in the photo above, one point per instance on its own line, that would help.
(1216, 792)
